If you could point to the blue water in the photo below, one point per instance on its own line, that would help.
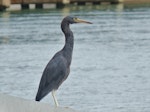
(110, 71)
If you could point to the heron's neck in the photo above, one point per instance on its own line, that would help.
(69, 41)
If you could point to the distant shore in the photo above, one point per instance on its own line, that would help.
(31, 4)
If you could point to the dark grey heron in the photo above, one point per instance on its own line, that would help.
(58, 68)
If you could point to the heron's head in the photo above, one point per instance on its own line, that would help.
(72, 20)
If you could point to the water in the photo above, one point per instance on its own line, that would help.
(111, 58)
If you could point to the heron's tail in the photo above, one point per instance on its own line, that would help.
(40, 96)
(42, 93)
(37, 99)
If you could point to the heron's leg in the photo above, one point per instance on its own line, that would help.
(54, 97)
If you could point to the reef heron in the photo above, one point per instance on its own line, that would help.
(58, 68)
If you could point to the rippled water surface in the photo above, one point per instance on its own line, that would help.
(110, 71)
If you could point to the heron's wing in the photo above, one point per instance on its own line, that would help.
(54, 74)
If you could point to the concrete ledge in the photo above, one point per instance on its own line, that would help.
(14, 104)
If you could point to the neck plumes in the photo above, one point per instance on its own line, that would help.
(69, 40)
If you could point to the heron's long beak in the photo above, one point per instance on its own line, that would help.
(82, 21)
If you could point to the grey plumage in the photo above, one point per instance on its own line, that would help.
(58, 68)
